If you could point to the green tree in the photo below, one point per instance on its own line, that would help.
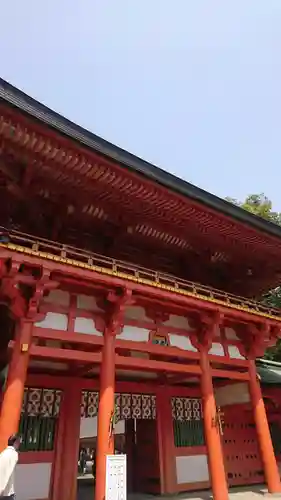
(261, 206)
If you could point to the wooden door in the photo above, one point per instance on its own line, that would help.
(241, 452)
(146, 466)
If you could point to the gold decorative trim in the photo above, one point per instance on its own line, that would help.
(143, 281)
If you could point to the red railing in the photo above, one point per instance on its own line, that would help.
(108, 265)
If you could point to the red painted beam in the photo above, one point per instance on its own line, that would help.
(62, 336)
(127, 363)
(121, 345)
(54, 353)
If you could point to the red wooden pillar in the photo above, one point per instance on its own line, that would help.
(166, 441)
(13, 396)
(105, 438)
(267, 452)
(65, 468)
(212, 436)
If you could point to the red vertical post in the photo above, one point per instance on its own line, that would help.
(64, 481)
(13, 396)
(212, 436)
(166, 441)
(71, 439)
(105, 438)
(55, 492)
(263, 433)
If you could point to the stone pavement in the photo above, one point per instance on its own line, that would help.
(85, 492)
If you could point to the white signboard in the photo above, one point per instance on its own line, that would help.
(116, 477)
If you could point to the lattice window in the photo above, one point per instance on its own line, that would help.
(127, 405)
(39, 415)
(89, 404)
(187, 422)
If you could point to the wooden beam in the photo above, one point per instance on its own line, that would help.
(126, 345)
(70, 337)
(54, 353)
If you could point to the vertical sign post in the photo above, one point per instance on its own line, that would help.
(116, 477)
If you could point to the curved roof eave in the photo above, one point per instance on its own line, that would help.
(18, 99)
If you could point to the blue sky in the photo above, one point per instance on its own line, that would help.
(191, 85)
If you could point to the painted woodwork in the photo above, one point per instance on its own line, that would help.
(146, 457)
(40, 411)
(129, 336)
(240, 445)
(106, 410)
(187, 422)
(195, 475)
(271, 471)
(188, 290)
(143, 329)
(127, 406)
(174, 220)
(213, 439)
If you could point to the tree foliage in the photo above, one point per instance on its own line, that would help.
(261, 206)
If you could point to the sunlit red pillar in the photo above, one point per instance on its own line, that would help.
(168, 480)
(212, 435)
(13, 396)
(105, 439)
(264, 438)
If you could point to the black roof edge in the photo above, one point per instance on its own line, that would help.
(18, 99)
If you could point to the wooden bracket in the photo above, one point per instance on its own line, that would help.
(116, 314)
(206, 330)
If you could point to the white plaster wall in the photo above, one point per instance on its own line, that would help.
(59, 297)
(86, 325)
(232, 394)
(32, 481)
(87, 302)
(216, 349)
(192, 469)
(137, 313)
(181, 342)
(134, 333)
(88, 427)
(178, 322)
(234, 352)
(55, 321)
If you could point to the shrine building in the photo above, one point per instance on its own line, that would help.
(129, 299)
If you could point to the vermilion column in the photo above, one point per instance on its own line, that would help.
(105, 440)
(212, 436)
(67, 444)
(267, 452)
(71, 439)
(13, 396)
(165, 433)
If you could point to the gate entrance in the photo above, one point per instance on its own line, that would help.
(142, 456)
(242, 457)
(135, 430)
